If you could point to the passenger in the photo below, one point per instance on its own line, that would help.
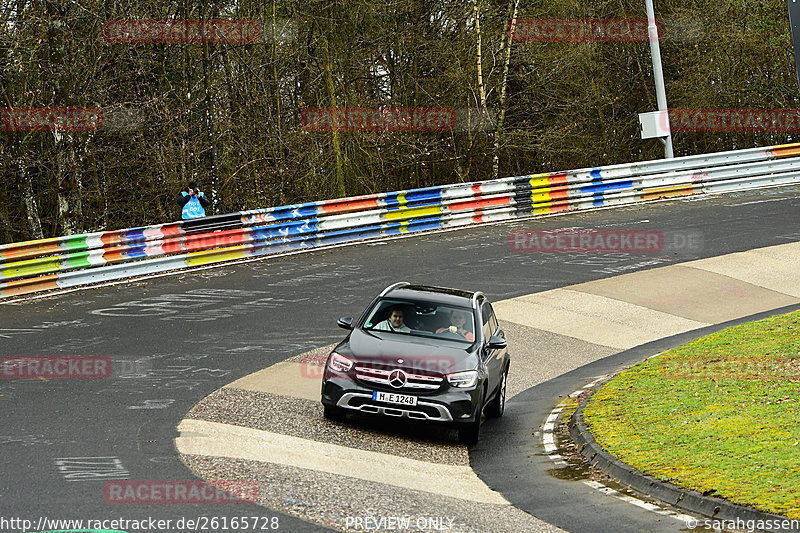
(457, 321)
(394, 322)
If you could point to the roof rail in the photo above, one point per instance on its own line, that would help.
(394, 286)
(475, 297)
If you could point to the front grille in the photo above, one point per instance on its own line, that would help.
(422, 411)
(414, 381)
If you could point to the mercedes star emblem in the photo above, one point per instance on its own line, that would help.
(397, 378)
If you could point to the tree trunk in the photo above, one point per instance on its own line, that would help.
(29, 203)
(338, 184)
(498, 130)
(209, 123)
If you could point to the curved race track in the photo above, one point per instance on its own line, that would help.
(176, 339)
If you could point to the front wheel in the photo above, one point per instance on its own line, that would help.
(471, 432)
(497, 406)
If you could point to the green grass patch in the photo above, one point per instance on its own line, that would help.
(719, 415)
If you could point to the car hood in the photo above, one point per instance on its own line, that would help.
(417, 352)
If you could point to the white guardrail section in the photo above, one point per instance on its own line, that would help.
(76, 260)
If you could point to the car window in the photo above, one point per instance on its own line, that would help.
(494, 325)
(487, 314)
(424, 319)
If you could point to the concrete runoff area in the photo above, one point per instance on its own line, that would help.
(550, 333)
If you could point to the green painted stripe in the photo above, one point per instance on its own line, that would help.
(75, 242)
(77, 260)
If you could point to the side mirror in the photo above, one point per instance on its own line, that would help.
(496, 342)
(346, 322)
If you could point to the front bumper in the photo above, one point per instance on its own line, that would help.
(451, 405)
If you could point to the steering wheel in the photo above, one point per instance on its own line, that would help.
(449, 334)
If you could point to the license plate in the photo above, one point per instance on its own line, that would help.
(391, 397)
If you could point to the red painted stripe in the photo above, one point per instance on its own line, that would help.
(479, 203)
(27, 286)
(27, 249)
(171, 230)
(557, 179)
(339, 206)
(217, 239)
(556, 207)
(111, 237)
(114, 255)
(173, 246)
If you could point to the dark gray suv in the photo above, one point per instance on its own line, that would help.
(423, 353)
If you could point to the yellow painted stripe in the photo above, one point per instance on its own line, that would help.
(541, 210)
(404, 227)
(541, 197)
(539, 180)
(668, 192)
(226, 254)
(401, 198)
(30, 268)
(413, 212)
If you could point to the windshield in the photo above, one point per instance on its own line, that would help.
(422, 319)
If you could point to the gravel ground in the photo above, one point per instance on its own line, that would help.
(537, 356)
(329, 500)
(303, 418)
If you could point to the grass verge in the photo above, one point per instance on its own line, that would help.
(720, 415)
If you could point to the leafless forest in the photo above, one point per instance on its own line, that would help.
(230, 114)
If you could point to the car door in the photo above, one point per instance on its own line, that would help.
(492, 359)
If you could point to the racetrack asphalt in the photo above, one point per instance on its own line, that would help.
(189, 335)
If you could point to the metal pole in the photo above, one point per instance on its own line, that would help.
(661, 92)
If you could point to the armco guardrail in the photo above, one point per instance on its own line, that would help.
(76, 260)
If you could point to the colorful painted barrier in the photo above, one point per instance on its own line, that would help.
(77, 260)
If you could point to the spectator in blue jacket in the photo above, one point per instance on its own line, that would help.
(193, 202)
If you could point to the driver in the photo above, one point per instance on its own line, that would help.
(394, 322)
(457, 321)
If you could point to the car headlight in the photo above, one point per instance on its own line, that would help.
(463, 380)
(339, 363)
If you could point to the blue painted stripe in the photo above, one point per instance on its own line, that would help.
(601, 188)
(135, 251)
(424, 195)
(595, 174)
(134, 235)
(278, 231)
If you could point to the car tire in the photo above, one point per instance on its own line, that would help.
(470, 433)
(335, 414)
(497, 406)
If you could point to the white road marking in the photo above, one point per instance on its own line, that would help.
(199, 437)
(758, 202)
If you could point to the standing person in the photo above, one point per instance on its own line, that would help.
(193, 202)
